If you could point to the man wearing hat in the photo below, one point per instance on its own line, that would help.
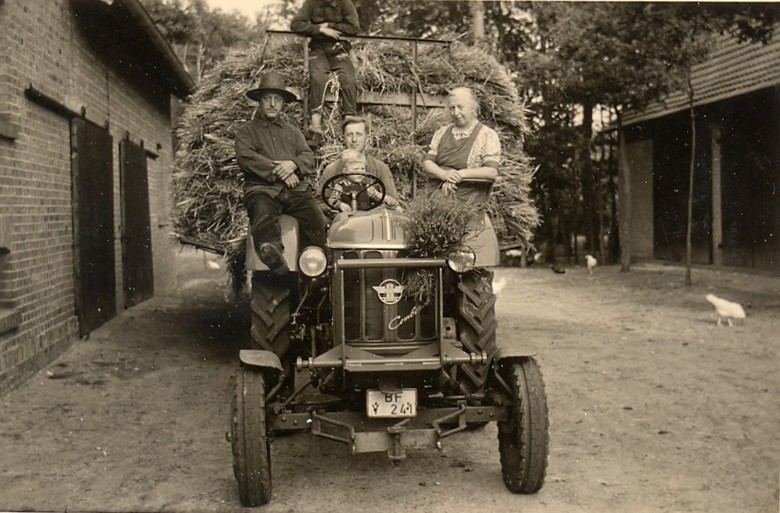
(275, 158)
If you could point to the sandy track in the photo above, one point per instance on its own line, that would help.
(652, 408)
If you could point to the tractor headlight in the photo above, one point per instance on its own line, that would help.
(312, 261)
(461, 260)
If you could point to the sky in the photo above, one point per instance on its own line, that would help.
(246, 7)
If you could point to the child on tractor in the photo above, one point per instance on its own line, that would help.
(357, 185)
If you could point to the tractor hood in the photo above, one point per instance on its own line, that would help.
(379, 228)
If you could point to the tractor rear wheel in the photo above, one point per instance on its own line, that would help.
(249, 438)
(271, 323)
(523, 437)
(270, 312)
(476, 324)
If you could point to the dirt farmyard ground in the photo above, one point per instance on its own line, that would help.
(653, 408)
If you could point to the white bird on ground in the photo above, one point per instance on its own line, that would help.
(726, 309)
(211, 264)
(499, 285)
(591, 262)
(514, 253)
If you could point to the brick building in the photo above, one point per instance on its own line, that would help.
(736, 206)
(85, 152)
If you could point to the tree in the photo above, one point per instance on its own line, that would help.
(588, 55)
(625, 56)
(172, 20)
(200, 35)
(552, 145)
(506, 23)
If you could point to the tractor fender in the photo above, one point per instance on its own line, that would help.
(484, 241)
(508, 353)
(263, 359)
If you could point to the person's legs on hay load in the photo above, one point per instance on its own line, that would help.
(319, 67)
(322, 61)
(342, 65)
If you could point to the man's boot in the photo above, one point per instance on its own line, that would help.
(271, 254)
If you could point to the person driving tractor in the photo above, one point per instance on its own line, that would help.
(356, 134)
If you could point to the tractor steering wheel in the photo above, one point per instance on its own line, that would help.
(340, 184)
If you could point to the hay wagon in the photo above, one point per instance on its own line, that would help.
(372, 367)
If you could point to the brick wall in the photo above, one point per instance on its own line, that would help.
(41, 45)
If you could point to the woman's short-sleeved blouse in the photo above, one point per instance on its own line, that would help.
(460, 148)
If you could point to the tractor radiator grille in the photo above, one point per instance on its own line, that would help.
(387, 328)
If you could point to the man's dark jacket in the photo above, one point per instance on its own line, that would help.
(260, 142)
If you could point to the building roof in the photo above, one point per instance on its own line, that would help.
(732, 69)
(125, 31)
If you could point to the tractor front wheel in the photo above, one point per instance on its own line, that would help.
(249, 438)
(523, 437)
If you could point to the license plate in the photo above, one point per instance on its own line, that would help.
(400, 403)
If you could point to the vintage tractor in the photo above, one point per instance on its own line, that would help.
(390, 371)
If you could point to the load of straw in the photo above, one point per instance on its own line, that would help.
(208, 181)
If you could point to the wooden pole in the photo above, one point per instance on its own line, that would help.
(624, 198)
(477, 9)
(717, 199)
(691, 170)
(413, 178)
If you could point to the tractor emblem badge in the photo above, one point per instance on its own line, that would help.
(389, 291)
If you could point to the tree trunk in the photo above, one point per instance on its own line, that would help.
(199, 63)
(552, 228)
(624, 198)
(587, 182)
(565, 233)
(183, 49)
(477, 21)
(613, 243)
(689, 230)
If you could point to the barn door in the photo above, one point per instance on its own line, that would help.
(137, 265)
(93, 224)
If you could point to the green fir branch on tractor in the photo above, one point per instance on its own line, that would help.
(435, 227)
